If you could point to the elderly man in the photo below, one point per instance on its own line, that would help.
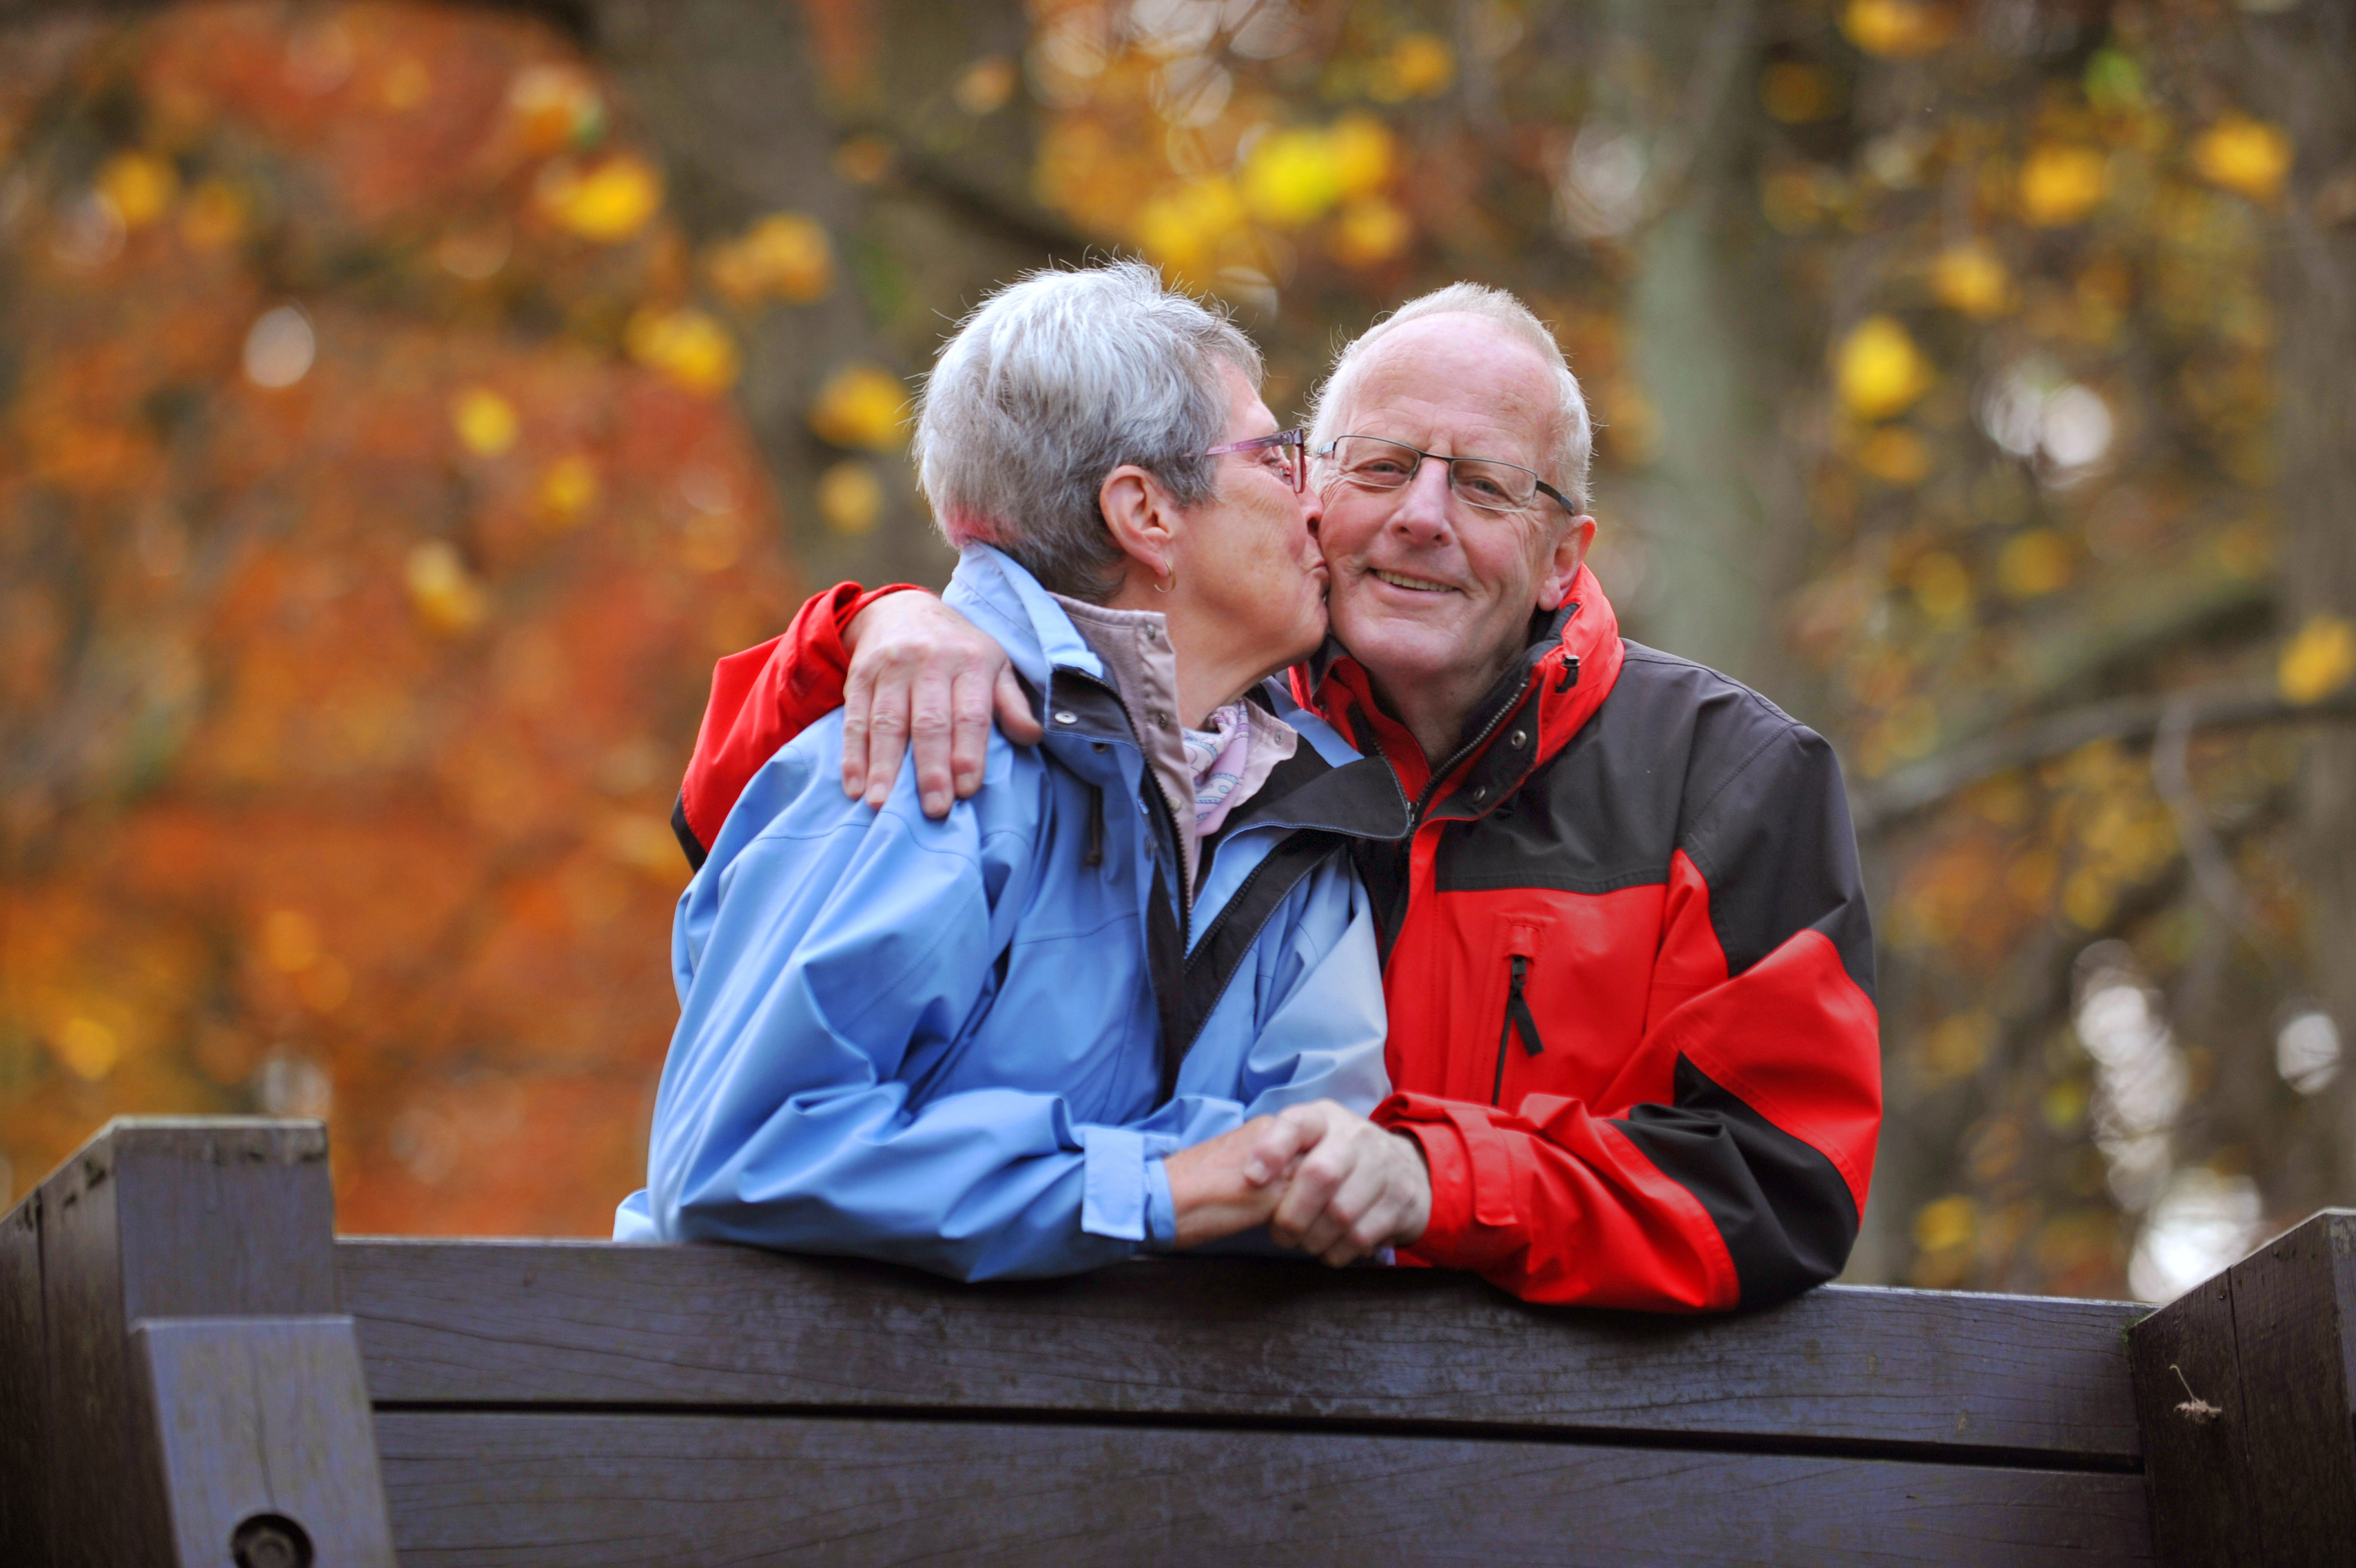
(1627, 957)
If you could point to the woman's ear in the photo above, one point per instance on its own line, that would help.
(1142, 519)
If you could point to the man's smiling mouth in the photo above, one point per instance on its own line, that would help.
(1416, 585)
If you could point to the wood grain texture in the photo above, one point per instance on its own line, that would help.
(2196, 1468)
(2292, 1313)
(264, 1416)
(595, 1323)
(507, 1490)
(160, 1217)
(24, 1394)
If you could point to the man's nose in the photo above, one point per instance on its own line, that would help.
(1312, 510)
(1422, 509)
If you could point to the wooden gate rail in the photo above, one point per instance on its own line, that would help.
(193, 1371)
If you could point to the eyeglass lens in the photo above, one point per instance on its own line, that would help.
(1375, 463)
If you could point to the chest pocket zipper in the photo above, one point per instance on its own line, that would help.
(1517, 1016)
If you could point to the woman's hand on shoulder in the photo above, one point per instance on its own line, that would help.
(925, 680)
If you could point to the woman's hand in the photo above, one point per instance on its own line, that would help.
(922, 678)
(1219, 1188)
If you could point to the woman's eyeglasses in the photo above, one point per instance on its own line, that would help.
(1284, 454)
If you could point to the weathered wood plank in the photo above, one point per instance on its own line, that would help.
(2293, 1304)
(511, 1490)
(2194, 1461)
(24, 1395)
(159, 1217)
(262, 1425)
(2272, 1477)
(593, 1323)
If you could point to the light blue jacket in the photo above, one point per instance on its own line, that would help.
(942, 1043)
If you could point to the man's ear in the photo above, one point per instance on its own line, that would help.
(1561, 568)
(1142, 518)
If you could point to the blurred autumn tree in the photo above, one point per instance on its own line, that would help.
(406, 402)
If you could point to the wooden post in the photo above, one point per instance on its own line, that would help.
(24, 1505)
(2243, 1389)
(163, 1218)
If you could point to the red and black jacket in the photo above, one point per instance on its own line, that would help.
(1628, 963)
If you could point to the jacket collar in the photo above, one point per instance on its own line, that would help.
(1074, 695)
(1562, 676)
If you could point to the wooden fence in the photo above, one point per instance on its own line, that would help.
(194, 1371)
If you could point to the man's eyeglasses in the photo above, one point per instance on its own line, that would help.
(1372, 463)
(1284, 454)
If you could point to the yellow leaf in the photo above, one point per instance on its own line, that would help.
(406, 85)
(1880, 370)
(1371, 232)
(445, 595)
(1941, 586)
(1420, 65)
(862, 405)
(2320, 659)
(984, 86)
(609, 204)
(555, 106)
(486, 421)
(2240, 153)
(290, 942)
(850, 497)
(214, 216)
(1947, 1223)
(89, 1048)
(1362, 150)
(2060, 183)
(1292, 177)
(140, 187)
(1959, 1048)
(2033, 563)
(1183, 227)
(1972, 280)
(687, 346)
(2088, 898)
(1897, 29)
(785, 255)
(567, 490)
(1896, 456)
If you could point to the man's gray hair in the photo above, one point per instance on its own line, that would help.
(1057, 379)
(1571, 444)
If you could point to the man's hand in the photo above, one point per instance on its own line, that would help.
(922, 678)
(1352, 1187)
(1223, 1185)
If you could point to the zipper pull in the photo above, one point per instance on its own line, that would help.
(1569, 676)
(1093, 854)
(1519, 1005)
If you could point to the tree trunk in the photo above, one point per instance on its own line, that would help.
(2302, 58)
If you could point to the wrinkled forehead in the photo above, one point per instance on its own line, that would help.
(1457, 385)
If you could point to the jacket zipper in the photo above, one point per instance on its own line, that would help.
(1437, 774)
(1517, 1013)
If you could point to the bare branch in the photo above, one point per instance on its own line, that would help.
(1918, 787)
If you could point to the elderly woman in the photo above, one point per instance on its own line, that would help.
(981, 1044)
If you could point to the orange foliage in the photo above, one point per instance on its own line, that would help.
(361, 595)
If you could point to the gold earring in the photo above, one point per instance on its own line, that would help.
(1159, 588)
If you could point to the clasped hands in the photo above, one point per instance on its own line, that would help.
(1324, 1180)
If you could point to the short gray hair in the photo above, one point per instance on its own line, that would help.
(1572, 442)
(1057, 379)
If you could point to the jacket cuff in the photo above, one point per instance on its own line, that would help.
(1124, 1189)
(1473, 1220)
(849, 601)
(1161, 1208)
